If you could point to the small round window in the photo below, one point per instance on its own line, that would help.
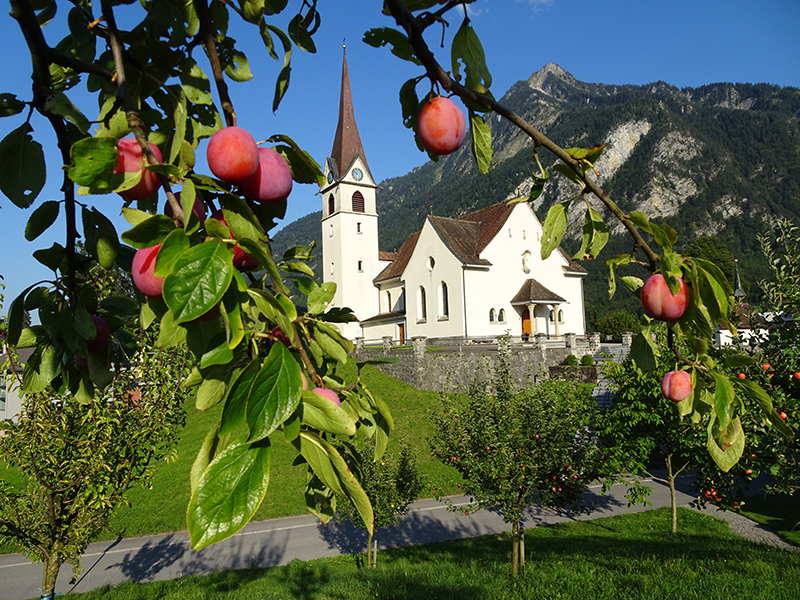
(431, 263)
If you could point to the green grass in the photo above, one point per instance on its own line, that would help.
(163, 508)
(779, 512)
(625, 557)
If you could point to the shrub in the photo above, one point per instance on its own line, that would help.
(587, 360)
(571, 361)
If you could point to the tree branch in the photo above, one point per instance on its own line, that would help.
(134, 122)
(207, 37)
(414, 28)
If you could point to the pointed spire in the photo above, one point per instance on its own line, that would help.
(738, 291)
(347, 142)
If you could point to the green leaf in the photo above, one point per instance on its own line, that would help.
(644, 352)
(282, 82)
(467, 49)
(300, 35)
(10, 105)
(204, 457)
(228, 492)
(22, 167)
(555, 225)
(756, 393)
(723, 399)
(398, 41)
(170, 333)
(199, 278)
(40, 369)
(93, 161)
(275, 393)
(238, 68)
(569, 173)
(481, 141)
(320, 298)
(149, 232)
(59, 104)
(330, 346)
(41, 219)
(212, 389)
(235, 409)
(329, 466)
(641, 221)
(595, 236)
(620, 260)
(725, 445)
(175, 244)
(304, 168)
(320, 413)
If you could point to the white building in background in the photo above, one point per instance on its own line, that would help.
(477, 276)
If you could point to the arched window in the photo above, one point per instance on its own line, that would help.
(331, 204)
(388, 301)
(561, 316)
(444, 302)
(491, 315)
(501, 316)
(422, 308)
(358, 202)
(552, 317)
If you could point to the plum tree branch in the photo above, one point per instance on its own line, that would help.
(414, 28)
(207, 37)
(132, 115)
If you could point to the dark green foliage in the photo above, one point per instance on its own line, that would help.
(516, 449)
(587, 360)
(571, 361)
(617, 322)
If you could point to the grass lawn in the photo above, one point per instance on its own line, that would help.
(624, 557)
(163, 508)
(779, 512)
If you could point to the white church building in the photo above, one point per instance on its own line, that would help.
(476, 276)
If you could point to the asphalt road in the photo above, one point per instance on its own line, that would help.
(279, 541)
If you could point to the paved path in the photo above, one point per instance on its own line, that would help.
(279, 541)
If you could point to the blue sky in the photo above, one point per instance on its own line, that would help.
(685, 43)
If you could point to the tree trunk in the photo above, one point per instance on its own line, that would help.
(515, 548)
(521, 550)
(672, 498)
(51, 569)
(369, 551)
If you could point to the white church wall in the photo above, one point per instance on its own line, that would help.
(421, 273)
(515, 254)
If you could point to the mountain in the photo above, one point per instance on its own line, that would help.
(719, 160)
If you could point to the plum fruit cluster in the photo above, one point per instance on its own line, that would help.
(262, 173)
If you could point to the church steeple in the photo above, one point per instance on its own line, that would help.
(346, 142)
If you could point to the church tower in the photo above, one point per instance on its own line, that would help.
(350, 218)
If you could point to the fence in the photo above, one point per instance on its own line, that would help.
(450, 364)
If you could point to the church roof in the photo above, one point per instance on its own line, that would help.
(467, 236)
(532, 292)
(462, 237)
(346, 142)
(403, 256)
(491, 220)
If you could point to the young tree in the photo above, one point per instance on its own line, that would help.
(642, 429)
(78, 459)
(392, 483)
(517, 449)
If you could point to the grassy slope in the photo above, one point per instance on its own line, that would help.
(163, 508)
(630, 556)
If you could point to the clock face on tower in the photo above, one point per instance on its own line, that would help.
(357, 174)
(330, 177)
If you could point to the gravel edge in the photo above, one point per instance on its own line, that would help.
(747, 528)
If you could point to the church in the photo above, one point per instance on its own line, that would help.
(474, 277)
